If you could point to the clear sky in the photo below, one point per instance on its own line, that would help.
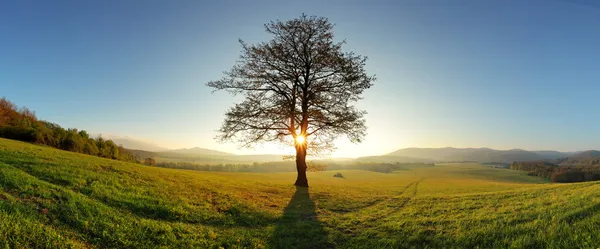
(499, 74)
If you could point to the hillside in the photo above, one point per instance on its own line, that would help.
(579, 167)
(55, 199)
(409, 155)
(586, 154)
(20, 123)
(585, 158)
(580, 159)
(450, 154)
(551, 154)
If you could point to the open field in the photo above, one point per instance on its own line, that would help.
(56, 199)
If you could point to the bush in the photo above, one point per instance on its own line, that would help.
(339, 175)
(149, 161)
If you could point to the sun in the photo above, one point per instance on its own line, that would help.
(300, 139)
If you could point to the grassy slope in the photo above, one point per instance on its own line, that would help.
(52, 198)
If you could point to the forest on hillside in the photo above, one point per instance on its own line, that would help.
(20, 123)
(560, 173)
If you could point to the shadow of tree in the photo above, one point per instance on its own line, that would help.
(299, 227)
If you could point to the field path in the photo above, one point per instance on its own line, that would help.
(414, 185)
(402, 198)
(371, 215)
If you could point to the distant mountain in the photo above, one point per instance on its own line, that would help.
(585, 158)
(134, 144)
(476, 154)
(201, 151)
(438, 154)
(393, 159)
(408, 155)
(586, 154)
(551, 154)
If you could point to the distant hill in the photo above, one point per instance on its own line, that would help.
(476, 154)
(585, 158)
(134, 144)
(393, 159)
(201, 151)
(438, 154)
(577, 160)
(551, 154)
(586, 154)
(408, 155)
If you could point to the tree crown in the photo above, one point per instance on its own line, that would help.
(300, 83)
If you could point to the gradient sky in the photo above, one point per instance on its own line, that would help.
(499, 74)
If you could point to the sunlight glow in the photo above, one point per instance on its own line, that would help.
(300, 139)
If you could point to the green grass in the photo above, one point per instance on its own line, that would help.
(57, 199)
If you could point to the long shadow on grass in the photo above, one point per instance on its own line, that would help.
(299, 227)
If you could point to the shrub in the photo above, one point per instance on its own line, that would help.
(149, 161)
(339, 175)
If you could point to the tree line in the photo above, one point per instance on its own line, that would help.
(558, 173)
(19, 123)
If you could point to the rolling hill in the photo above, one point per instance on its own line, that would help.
(408, 155)
(551, 154)
(585, 158)
(58, 199)
(393, 159)
(450, 154)
(588, 154)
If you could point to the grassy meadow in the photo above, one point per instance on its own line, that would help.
(57, 199)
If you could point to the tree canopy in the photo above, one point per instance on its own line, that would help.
(299, 83)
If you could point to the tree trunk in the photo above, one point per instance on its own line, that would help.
(301, 181)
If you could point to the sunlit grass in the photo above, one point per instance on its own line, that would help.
(57, 199)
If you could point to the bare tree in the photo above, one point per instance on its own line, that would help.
(300, 85)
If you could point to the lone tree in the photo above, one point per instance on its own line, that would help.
(298, 85)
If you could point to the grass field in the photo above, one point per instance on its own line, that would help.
(57, 199)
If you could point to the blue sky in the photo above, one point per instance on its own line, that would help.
(499, 74)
